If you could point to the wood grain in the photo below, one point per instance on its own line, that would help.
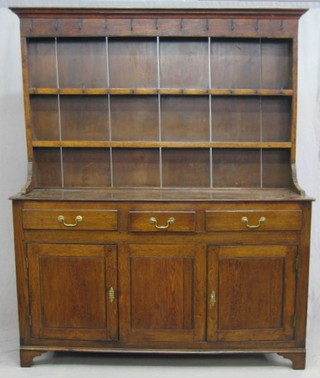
(44, 118)
(147, 144)
(174, 54)
(186, 168)
(86, 167)
(235, 64)
(133, 62)
(298, 359)
(82, 63)
(84, 118)
(236, 168)
(47, 168)
(42, 69)
(134, 118)
(136, 167)
(276, 119)
(167, 304)
(231, 220)
(236, 119)
(276, 64)
(276, 170)
(27, 356)
(266, 275)
(163, 91)
(75, 308)
(47, 219)
(182, 116)
(139, 221)
(119, 129)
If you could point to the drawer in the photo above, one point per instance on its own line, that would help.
(71, 219)
(162, 221)
(250, 220)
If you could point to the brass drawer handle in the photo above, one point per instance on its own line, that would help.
(77, 220)
(154, 221)
(260, 221)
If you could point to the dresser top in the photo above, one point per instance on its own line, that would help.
(179, 195)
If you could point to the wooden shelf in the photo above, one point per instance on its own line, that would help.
(177, 112)
(164, 194)
(161, 91)
(115, 144)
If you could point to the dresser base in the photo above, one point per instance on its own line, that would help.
(297, 357)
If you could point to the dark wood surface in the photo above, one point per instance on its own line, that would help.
(265, 267)
(236, 119)
(86, 167)
(186, 168)
(217, 220)
(47, 168)
(76, 308)
(180, 114)
(184, 221)
(276, 119)
(42, 219)
(123, 22)
(235, 63)
(44, 118)
(82, 63)
(185, 116)
(133, 62)
(84, 118)
(251, 304)
(175, 53)
(134, 118)
(42, 63)
(136, 167)
(174, 194)
(138, 91)
(215, 66)
(163, 293)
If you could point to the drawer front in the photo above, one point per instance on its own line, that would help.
(250, 220)
(162, 221)
(71, 219)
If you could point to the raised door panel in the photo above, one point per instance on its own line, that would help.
(251, 292)
(69, 286)
(162, 290)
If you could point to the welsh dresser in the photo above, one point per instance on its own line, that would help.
(162, 211)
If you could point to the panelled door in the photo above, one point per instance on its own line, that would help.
(72, 291)
(251, 292)
(162, 292)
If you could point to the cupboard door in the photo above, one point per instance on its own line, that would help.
(71, 289)
(251, 292)
(163, 293)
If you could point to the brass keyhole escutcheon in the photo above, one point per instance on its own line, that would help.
(212, 298)
(111, 294)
